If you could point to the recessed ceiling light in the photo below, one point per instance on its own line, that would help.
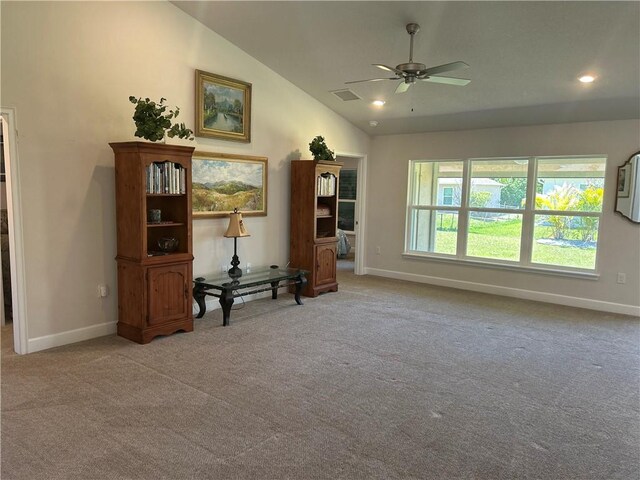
(587, 78)
(378, 103)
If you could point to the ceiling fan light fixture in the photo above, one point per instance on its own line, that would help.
(378, 103)
(586, 78)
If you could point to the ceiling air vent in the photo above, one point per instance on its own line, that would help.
(345, 95)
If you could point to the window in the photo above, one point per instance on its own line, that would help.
(529, 212)
(447, 195)
(347, 200)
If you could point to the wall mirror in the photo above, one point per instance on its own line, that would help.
(628, 192)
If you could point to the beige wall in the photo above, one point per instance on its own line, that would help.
(68, 68)
(619, 245)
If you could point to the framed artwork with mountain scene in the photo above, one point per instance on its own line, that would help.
(223, 181)
(223, 107)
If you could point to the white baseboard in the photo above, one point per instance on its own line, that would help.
(71, 336)
(109, 328)
(510, 292)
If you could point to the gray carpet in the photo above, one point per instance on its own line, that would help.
(384, 379)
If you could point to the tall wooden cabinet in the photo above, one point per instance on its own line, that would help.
(154, 285)
(314, 220)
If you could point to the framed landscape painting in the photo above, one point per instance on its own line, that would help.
(222, 182)
(223, 107)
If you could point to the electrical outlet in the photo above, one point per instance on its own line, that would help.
(103, 291)
(378, 251)
(622, 277)
(248, 268)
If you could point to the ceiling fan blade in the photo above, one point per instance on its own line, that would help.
(403, 87)
(372, 80)
(389, 69)
(448, 80)
(447, 67)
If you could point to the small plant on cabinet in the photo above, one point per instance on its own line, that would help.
(319, 149)
(152, 122)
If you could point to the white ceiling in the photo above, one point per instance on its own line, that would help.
(525, 57)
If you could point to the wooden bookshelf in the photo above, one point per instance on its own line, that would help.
(154, 287)
(313, 223)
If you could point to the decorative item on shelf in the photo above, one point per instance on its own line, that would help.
(323, 210)
(152, 123)
(154, 216)
(235, 230)
(319, 149)
(168, 244)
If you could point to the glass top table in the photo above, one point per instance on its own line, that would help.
(226, 289)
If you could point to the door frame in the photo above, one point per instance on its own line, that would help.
(16, 238)
(361, 190)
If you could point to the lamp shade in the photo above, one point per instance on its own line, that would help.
(236, 226)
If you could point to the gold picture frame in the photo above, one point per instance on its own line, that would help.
(223, 107)
(224, 181)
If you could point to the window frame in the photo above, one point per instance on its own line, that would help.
(528, 213)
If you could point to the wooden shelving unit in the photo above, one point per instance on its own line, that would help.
(154, 287)
(314, 208)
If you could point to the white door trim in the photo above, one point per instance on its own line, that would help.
(16, 242)
(359, 266)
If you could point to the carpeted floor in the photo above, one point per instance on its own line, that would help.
(384, 379)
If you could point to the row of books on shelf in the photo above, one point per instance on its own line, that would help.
(166, 177)
(326, 185)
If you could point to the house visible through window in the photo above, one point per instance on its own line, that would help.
(531, 212)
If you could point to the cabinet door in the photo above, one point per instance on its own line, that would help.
(168, 293)
(325, 264)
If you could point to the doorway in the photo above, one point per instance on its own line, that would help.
(5, 264)
(351, 212)
(14, 228)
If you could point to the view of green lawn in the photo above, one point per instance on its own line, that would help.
(501, 240)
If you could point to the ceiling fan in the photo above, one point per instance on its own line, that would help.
(410, 72)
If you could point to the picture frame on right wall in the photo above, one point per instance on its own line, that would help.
(223, 107)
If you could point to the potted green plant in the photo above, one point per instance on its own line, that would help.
(319, 149)
(152, 123)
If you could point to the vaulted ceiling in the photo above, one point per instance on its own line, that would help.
(524, 57)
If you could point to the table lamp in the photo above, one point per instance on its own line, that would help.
(236, 229)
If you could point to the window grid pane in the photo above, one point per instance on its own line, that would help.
(565, 240)
(570, 184)
(435, 231)
(430, 179)
(348, 184)
(499, 183)
(494, 238)
(346, 215)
